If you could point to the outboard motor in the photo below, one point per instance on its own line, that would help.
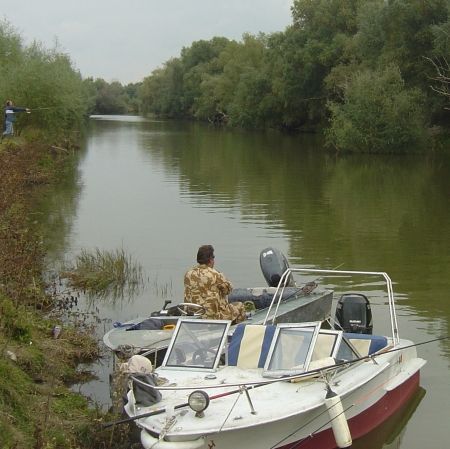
(273, 264)
(353, 314)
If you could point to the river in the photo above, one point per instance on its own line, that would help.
(160, 189)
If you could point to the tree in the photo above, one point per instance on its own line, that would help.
(200, 63)
(242, 63)
(402, 32)
(110, 98)
(441, 61)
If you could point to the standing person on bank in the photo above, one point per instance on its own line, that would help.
(207, 287)
(10, 117)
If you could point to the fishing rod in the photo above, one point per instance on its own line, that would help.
(253, 385)
(306, 290)
(308, 285)
(45, 108)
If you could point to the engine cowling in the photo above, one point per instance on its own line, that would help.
(354, 314)
(273, 264)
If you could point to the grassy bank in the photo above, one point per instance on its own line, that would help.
(37, 408)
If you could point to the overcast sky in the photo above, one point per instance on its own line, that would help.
(125, 40)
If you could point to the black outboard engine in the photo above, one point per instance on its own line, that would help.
(353, 314)
(273, 264)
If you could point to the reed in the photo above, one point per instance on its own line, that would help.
(104, 272)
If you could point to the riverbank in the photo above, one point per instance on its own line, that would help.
(37, 408)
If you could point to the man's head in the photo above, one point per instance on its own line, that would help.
(9, 103)
(205, 255)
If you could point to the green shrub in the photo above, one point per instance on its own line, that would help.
(378, 115)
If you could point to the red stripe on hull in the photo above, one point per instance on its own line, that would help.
(366, 421)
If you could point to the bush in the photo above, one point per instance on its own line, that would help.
(378, 115)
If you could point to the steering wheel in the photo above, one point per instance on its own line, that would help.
(200, 356)
(185, 309)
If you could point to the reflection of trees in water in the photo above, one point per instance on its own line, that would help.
(254, 171)
(387, 214)
(381, 212)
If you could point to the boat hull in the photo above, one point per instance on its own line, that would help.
(366, 421)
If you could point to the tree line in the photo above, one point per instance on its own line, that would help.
(372, 75)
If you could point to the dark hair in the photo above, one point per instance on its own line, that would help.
(205, 253)
(9, 103)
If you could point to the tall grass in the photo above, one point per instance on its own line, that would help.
(105, 273)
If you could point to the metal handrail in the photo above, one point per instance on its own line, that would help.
(390, 292)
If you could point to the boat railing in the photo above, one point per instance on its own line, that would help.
(276, 300)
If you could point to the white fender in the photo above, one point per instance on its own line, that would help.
(150, 442)
(339, 422)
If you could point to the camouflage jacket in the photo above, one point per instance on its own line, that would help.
(207, 287)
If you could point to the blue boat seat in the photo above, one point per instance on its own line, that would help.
(250, 345)
(366, 344)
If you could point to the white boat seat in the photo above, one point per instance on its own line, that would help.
(250, 345)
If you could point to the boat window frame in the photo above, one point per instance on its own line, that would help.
(337, 342)
(219, 349)
(298, 369)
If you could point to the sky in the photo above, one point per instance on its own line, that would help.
(125, 41)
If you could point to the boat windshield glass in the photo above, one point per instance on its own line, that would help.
(347, 351)
(327, 344)
(196, 344)
(291, 349)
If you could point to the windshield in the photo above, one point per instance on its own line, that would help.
(291, 349)
(196, 344)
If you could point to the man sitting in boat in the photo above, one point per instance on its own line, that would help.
(205, 286)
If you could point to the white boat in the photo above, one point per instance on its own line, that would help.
(151, 335)
(285, 385)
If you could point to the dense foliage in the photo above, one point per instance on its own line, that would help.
(379, 114)
(339, 63)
